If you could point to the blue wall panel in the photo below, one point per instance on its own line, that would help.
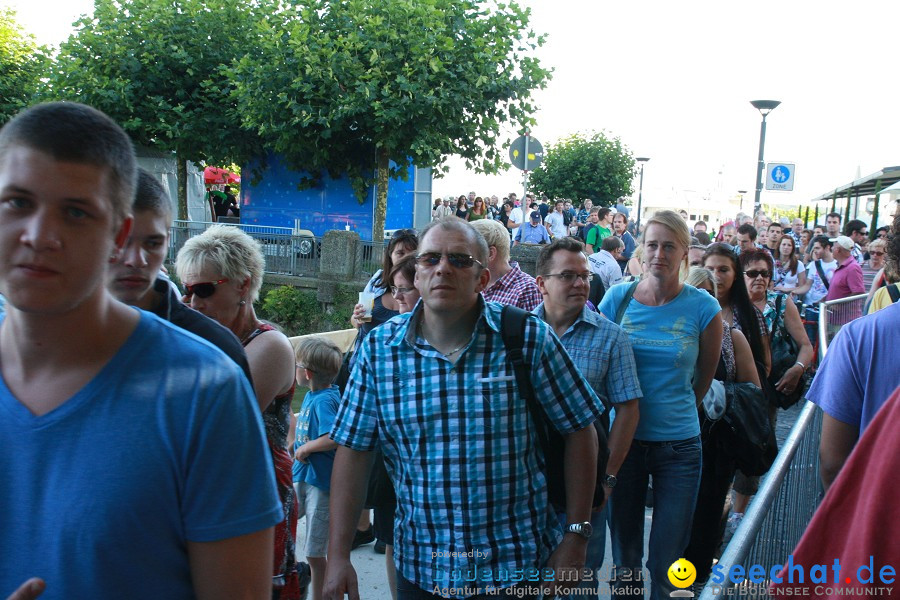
(276, 201)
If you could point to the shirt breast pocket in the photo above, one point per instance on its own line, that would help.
(499, 401)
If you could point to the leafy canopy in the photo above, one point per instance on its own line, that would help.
(350, 84)
(22, 63)
(155, 67)
(586, 165)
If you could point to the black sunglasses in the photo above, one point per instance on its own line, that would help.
(457, 260)
(204, 289)
(754, 274)
(401, 232)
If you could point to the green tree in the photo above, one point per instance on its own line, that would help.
(350, 85)
(156, 66)
(586, 165)
(22, 63)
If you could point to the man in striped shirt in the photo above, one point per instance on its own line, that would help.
(435, 389)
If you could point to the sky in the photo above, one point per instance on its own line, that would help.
(674, 81)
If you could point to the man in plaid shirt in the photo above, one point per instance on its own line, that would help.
(508, 284)
(435, 389)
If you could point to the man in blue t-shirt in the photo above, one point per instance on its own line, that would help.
(127, 472)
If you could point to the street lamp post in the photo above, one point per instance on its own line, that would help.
(764, 107)
(637, 227)
(742, 192)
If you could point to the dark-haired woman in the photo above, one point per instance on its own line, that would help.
(739, 312)
(789, 272)
(462, 208)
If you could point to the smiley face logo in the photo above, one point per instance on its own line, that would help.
(682, 573)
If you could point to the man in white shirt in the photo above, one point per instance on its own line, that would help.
(815, 287)
(604, 263)
(555, 221)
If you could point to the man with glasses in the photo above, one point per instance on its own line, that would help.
(602, 352)
(508, 284)
(136, 276)
(436, 389)
(605, 263)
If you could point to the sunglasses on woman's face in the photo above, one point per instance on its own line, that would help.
(204, 289)
(754, 274)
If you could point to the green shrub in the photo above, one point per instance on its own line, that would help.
(298, 311)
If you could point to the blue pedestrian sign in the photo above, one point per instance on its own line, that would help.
(780, 177)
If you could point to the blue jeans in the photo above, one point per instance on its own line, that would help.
(675, 467)
(596, 548)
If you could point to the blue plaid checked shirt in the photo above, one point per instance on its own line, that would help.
(602, 352)
(460, 447)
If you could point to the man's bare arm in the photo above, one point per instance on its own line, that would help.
(835, 445)
(238, 568)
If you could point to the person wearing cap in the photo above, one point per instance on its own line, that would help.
(532, 232)
(848, 277)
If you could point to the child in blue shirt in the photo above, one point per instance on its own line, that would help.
(318, 363)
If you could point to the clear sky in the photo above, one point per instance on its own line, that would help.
(673, 80)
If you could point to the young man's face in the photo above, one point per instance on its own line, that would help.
(774, 236)
(817, 250)
(698, 227)
(57, 232)
(745, 242)
(832, 224)
(559, 207)
(567, 296)
(133, 274)
(860, 236)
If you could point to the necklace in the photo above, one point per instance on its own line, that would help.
(455, 350)
(421, 332)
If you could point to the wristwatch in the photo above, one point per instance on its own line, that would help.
(583, 529)
(610, 481)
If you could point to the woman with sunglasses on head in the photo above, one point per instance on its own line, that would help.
(735, 365)
(478, 210)
(403, 243)
(676, 334)
(222, 270)
(789, 272)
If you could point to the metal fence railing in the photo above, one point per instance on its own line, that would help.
(286, 252)
(369, 256)
(790, 492)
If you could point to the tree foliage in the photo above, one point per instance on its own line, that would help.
(156, 67)
(345, 86)
(22, 63)
(589, 165)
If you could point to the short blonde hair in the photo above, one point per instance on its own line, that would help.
(321, 356)
(672, 221)
(495, 234)
(231, 252)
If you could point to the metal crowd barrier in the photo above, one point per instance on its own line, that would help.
(286, 252)
(791, 490)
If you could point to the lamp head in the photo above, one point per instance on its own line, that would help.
(765, 106)
(642, 159)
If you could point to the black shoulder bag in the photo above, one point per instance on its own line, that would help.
(784, 355)
(512, 329)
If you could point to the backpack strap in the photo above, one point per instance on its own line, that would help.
(893, 292)
(512, 330)
(623, 305)
(822, 276)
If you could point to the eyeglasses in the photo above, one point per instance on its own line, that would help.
(754, 274)
(456, 260)
(204, 289)
(302, 366)
(876, 253)
(400, 291)
(569, 277)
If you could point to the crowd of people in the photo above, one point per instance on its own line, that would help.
(152, 449)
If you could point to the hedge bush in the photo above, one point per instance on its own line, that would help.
(298, 312)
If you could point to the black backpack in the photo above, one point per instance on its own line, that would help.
(512, 328)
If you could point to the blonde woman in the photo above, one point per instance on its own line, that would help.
(676, 334)
(221, 270)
